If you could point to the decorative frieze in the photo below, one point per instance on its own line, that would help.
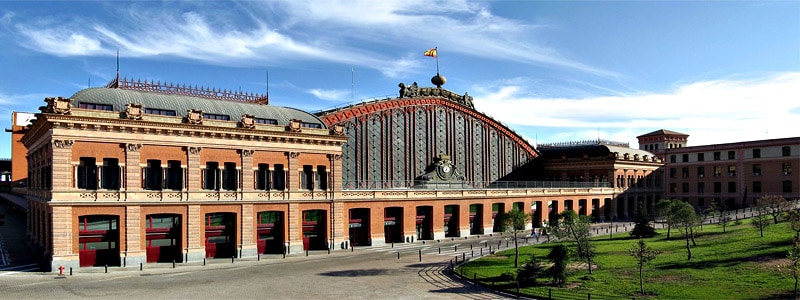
(63, 144)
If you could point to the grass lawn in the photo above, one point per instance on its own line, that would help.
(737, 264)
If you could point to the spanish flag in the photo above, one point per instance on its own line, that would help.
(432, 53)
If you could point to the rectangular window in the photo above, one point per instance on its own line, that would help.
(109, 174)
(786, 151)
(717, 187)
(262, 177)
(731, 187)
(310, 125)
(685, 158)
(175, 175)
(279, 178)
(321, 178)
(717, 156)
(161, 112)
(211, 176)
(230, 177)
(717, 171)
(701, 172)
(685, 172)
(216, 117)
(731, 154)
(756, 186)
(731, 170)
(787, 168)
(153, 175)
(787, 186)
(307, 178)
(685, 187)
(701, 187)
(672, 158)
(756, 153)
(87, 173)
(701, 156)
(673, 187)
(96, 106)
(266, 121)
(672, 172)
(701, 202)
(756, 170)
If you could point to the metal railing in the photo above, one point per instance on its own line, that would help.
(450, 185)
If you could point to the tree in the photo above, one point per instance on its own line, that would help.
(684, 218)
(761, 217)
(571, 226)
(794, 219)
(559, 256)
(514, 223)
(667, 209)
(642, 229)
(530, 271)
(643, 255)
(723, 218)
(776, 205)
(794, 263)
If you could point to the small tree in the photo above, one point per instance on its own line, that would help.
(723, 218)
(643, 255)
(571, 226)
(530, 271)
(559, 256)
(794, 263)
(776, 205)
(642, 229)
(684, 218)
(761, 218)
(514, 223)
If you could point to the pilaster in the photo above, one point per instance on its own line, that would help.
(133, 252)
(294, 242)
(193, 165)
(195, 248)
(293, 176)
(248, 245)
(63, 241)
(62, 165)
(132, 180)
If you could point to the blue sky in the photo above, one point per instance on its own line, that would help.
(554, 71)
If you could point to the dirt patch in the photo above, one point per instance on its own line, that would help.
(770, 263)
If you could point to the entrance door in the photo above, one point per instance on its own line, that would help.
(393, 224)
(98, 240)
(359, 227)
(476, 219)
(220, 235)
(163, 238)
(314, 229)
(270, 232)
(424, 222)
(451, 228)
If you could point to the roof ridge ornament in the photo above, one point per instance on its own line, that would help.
(414, 91)
(184, 90)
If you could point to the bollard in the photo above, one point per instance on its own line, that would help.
(550, 293)
(464, 256)
(470, 246)
(420, 255)
(141, 266)
(352, 249)
(106, 268)
(440, 250)
(284, 254)
(455, 248)
(173, 264)
(481, 251)
(258, 257)
(398, 255)
(471, 253)
(306, 252)
(70, 271)
(329, 250)
(392, 244)
(232, 258)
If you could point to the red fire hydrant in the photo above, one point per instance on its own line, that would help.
(60, 270)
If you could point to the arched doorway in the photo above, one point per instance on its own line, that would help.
(314, 230)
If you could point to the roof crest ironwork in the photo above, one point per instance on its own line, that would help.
(184, 90)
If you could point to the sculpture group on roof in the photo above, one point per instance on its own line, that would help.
(414, 91)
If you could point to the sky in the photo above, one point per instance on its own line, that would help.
(553, 71)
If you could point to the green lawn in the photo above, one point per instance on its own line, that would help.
(737, 264)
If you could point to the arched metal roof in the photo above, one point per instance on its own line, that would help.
(118, 98)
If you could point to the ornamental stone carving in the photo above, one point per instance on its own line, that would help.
(57, 105)
(414, 91)
(294, 125)
(247, 152)
(334, 157)
(248, 121)
(337, 130)
(63, 144)
(134, 111)
(194, 150)
(133, 147)
(194, 116)
(293, 154)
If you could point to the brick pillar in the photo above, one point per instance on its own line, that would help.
(195, 226)
(248, 178)
(193, 166)
(63, 240)
(133, 178)
(340, 221)
(294, 222)
(335, 176)
(293, 170)
(248, 242)
(486, 212)
(134, 252)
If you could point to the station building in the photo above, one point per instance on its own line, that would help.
(142, 172)
(733, 175)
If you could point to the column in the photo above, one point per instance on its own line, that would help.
(193, 173)
(248, 245)
(63, 241)
(293, 173)
(294, 237)
(339, 223)
(248, 179)
(195, 226)
(132, 182)
(134, 252)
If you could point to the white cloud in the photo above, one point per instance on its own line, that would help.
(281, 32)
(716, 111)
(329, 95)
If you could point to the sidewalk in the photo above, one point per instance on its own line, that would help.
(14, 249)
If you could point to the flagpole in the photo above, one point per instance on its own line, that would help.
(437, 60)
